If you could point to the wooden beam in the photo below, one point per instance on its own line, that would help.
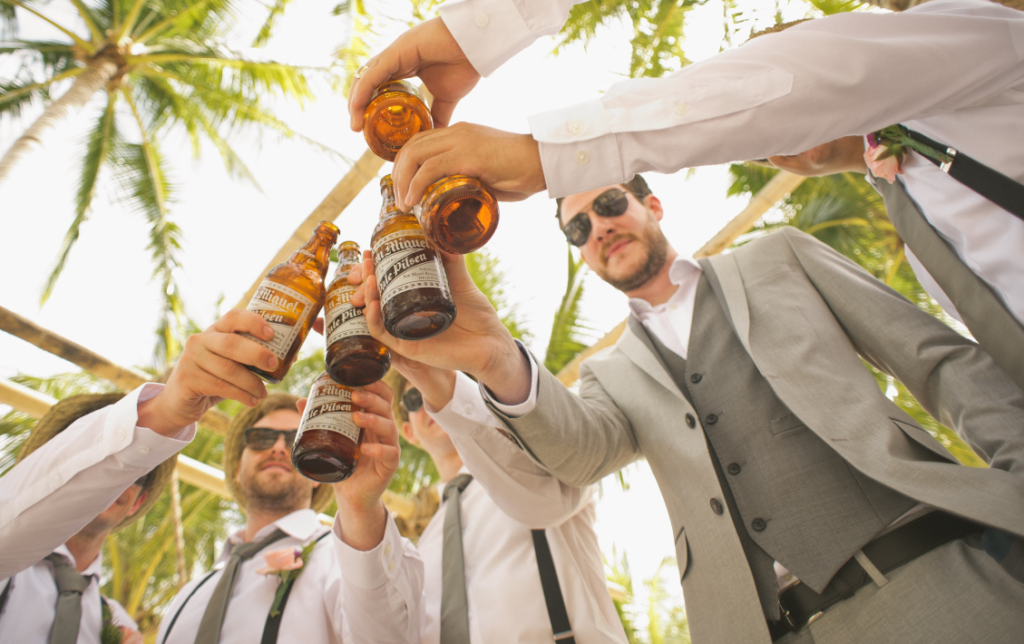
(364, 171)
(774, 191)
(24, 399)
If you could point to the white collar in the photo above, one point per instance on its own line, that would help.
(683, 270)
(94, 569)
(301, 524)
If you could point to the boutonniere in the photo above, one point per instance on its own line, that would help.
(287, 564)
(110, 633)
(887, 148)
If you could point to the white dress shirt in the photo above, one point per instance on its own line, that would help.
(54, 493)
(950, 69)
(509, 496)
(32, 605)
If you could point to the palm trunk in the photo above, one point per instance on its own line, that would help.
(99, 71)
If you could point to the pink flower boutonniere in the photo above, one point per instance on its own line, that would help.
(287, 565)
(888, 147)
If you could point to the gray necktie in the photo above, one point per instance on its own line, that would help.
(454, 605)
(984, 313)
(70, 586)
(213, 618)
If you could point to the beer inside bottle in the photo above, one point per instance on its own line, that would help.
(327, 445)
(354, 357)
(458, 213)
(291, 296)
(394, 114)
(415, 300)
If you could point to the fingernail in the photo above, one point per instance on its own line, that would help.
(253, 401)
(272, 363)
(268, 332)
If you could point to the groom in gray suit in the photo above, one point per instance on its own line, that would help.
(740, 379)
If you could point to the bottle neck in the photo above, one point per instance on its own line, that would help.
(315, 255)
(346, 260)
(389, 207)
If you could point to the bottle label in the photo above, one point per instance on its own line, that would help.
(404, 261)
(343, 319)
(285, 310)
(330, 408)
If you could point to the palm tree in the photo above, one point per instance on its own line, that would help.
(158, 64)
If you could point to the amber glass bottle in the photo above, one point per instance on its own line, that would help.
(415, 300)
(458, 213)
(327, 445)
(394, 114)
(354, 358)
(290, 298)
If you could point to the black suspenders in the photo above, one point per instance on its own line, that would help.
(552, 589)
(270, 627)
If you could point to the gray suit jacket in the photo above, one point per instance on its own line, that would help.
(806, 316)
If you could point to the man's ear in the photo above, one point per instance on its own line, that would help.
(139, 500)
(407, 433)
(654, 204)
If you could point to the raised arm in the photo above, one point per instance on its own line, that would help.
(67, 482)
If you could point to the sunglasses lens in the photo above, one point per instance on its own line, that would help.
(413, 400)
(261, 438)
(578, 230)
(611, 204)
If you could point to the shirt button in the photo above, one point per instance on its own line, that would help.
(482, 20)
(468, 409)
(711, 419)
(55, 479)
(143, 450)
(576, 127)
(391, 565)
(758, 524)
(716, 506)
(387, 550)
(682, 109)
(695, 378)
(582, 157)
(121, 434)
(691, 422)
(734, 468)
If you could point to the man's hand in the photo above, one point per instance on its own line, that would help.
(212, 368)
(429, 51)
(360, 510)
(476, 342)
(508, 164)
(436, 384)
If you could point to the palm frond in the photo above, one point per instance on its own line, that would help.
(16, 96)
(103, 138)
(830, 7)
(568, 329)
(358, 45)
(483, 268)
(8, 20)
(267, 29)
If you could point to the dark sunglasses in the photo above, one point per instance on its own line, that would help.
(259, 439)
(610, 203)
(412, 400)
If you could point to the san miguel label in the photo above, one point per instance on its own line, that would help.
(285, 310)
(343, 319)
(404, 261)
(330, 408)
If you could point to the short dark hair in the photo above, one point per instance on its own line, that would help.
(637, 186)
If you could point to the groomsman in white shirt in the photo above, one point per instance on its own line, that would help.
(242, 600)
(511, 555)
(64, 496)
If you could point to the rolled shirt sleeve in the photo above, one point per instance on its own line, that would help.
(66, 483)
(382, 588)
(787, 92)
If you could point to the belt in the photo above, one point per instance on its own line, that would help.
(800, 605)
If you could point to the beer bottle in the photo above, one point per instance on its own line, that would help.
(354, 357)
(394, 114)
(458, 213)
(327, 445)
(290, 297)
(415, 300)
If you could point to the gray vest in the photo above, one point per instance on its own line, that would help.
(793, 498)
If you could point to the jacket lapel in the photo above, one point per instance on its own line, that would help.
(637, 346)
(732, 294)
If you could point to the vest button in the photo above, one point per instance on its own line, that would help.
(691, 422)
(695, 378)
(716, 507)
(734, 468)
(758, 524)
(711, 419)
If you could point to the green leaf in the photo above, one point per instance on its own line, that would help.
(266, 30)
(568, 331)
(483, 268)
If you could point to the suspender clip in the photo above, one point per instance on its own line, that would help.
(564, 635)
(945, 166)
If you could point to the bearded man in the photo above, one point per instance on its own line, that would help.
(806, 506)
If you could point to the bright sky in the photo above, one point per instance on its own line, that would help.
(106, 301)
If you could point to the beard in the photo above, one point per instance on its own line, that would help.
(276, 496)
(656, 246)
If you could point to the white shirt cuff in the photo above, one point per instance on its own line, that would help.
(370, 568)
(490, 32)
(525, 407)
(466, 404)
(146, 449)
